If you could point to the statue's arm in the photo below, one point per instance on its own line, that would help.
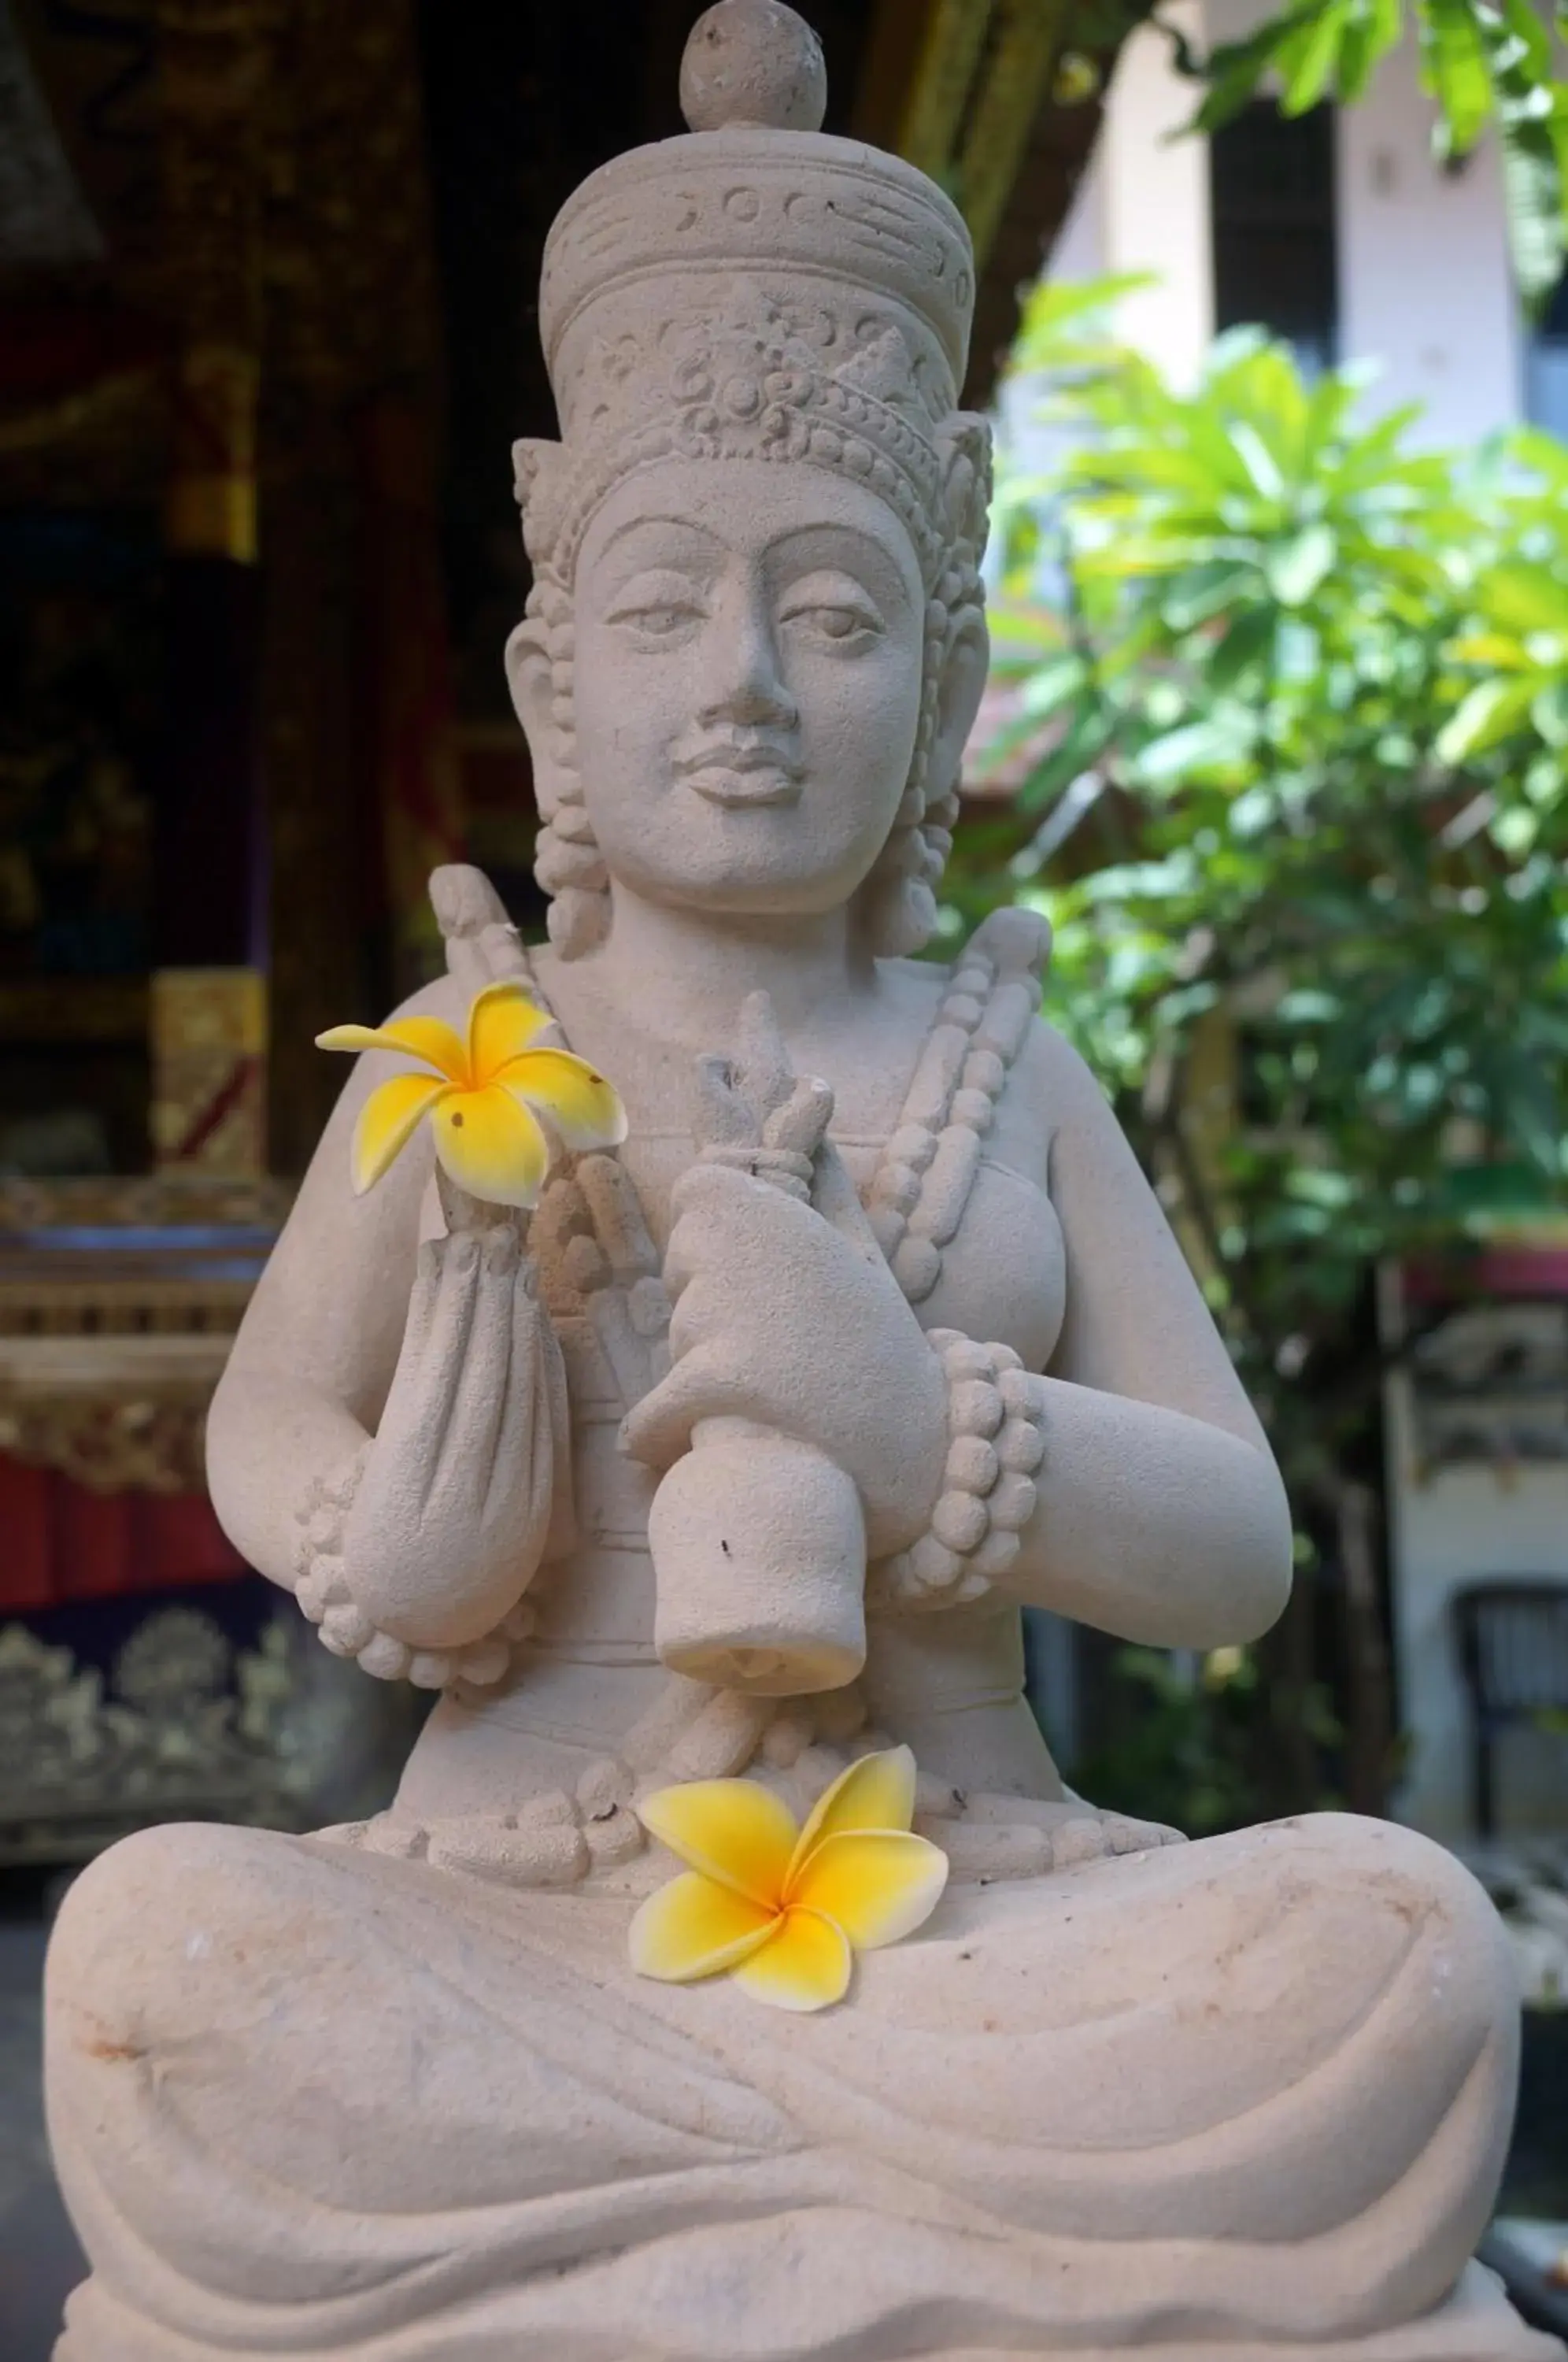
(313, 1362)
(388, 1439)
(1161, 1515)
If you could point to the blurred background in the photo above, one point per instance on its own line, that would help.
(1274, 325)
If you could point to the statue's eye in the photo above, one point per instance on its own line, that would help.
(849, 628)
(659, 622)
(831, 607)
(659, 604)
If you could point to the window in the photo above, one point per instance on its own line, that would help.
(1546, 366)
(1271, 193)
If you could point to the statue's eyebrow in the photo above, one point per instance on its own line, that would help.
(828, 536)
(644, 524)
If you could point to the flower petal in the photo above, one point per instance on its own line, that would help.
(877, 1885)
(583, 1107)
(877, 1793)
(413, 1037)
(804, 1966)
(492, 1146)
(733, 1830)
(386, 1122)
(502, 1021)
(692, 1928)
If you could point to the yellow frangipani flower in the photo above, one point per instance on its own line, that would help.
(480, 1096)
(783, 1909)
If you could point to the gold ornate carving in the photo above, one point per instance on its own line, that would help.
(139, 1201)
(110, 1347)
(210, 506)
(352, 311)
(184, 1727)
(944, 72)
(982, 74)
(138, 1445)
(214, 59)
(209, 1037)
(96, 1009)
(1014, 88)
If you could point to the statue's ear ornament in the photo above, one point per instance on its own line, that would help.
(963, 445)
(539, 480)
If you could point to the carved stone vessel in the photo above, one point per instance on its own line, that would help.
(739, 1459)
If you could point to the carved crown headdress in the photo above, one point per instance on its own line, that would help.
(757, 289)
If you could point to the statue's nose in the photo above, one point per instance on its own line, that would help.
(747, 689)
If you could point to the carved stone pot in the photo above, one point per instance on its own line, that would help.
(759, 1547)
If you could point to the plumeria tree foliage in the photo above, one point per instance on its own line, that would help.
(1486, 63)
(1291, 758)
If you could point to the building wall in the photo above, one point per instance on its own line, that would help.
(1424, 281)
(1153, 201)
(1454, 1528)
(1424, 289)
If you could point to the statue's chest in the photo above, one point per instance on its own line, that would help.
(997, 1271)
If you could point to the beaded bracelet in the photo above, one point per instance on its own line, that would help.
(322, 1590)
(995, 1418)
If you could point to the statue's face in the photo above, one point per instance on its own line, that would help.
(747, 682)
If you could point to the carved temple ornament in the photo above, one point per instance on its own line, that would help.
(118, 1303)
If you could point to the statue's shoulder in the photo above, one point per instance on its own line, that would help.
(1010, 952)
(1015, 943)
(995, 984)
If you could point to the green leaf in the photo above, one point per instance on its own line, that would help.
(1533, 39)
(1308, 1007)
(1454, 71)
(1235, 71)
(1299, 567)
(1205, 591)
(1515, 832)
(1087, 735)
(1493, 710)
(1053, 686)
(1373, 31)
(1248, 640)
(1216, 742)
(1534, 198)
(1549, 714)
(1524, 599)
(1533, 117)
(1308, 61)
(1262, 466)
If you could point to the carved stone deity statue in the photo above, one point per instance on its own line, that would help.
(732, 1463)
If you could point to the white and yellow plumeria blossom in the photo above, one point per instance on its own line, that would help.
(480, 1096)
(782, 1909)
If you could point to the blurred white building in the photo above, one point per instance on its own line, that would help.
(1338, 230)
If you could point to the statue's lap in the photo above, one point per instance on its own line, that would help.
(1291, 2031)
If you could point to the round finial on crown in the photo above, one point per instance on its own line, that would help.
(753, 63)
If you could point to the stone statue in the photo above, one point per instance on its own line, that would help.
(739, 1458)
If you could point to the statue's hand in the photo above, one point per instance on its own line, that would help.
(782, 1317)
(452, 1513)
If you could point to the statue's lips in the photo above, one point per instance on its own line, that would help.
(743, 777)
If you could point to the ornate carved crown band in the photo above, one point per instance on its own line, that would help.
(836, 386)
